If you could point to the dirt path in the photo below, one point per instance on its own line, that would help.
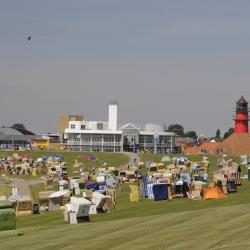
(133, 158)
(23, 186)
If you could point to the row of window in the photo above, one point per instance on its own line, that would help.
(96, 149)
(95, 137)
(73, 126)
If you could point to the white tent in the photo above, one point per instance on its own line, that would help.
(55, 200)
(98, 201)
(77, 211)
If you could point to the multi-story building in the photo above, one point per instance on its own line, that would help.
(106, 137)
(95, 135)
(151, 138)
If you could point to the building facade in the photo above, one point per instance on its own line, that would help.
(11, 138)
(98, 136)
(152, 138)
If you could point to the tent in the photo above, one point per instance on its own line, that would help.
(56, 200)
(153, 167)
(63, 185)
(160, 192)
(231, 186)
(98, 200)
(141, 165)
(111, 182)
(77, 211)
(44, 198)
(196, 165)
(165, 158)
(112, 193)
(198, 185)
(150, 191)
(24, 206)
(213, 193)
(177, 189)
(160, 166)
(100, 178)
(134, 193)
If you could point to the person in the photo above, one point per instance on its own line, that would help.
(238, 176)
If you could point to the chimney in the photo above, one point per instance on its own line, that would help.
(113, 115)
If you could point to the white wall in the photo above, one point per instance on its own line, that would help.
(152, 127)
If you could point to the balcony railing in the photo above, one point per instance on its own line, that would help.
(70, 142)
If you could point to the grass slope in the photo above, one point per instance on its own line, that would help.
(176, 224)
(214, 228)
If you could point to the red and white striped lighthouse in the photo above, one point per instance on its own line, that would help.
(241, 117)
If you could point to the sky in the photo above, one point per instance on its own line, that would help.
(165, 61)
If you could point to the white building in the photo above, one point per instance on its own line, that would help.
(95, 136)
(105, 137)
(152, 139)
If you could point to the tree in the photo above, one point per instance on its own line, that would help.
(176, 128)
(228, 133)
(18, 126)
(217, 134)
(191, 134)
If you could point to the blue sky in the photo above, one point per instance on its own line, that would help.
(165, 61)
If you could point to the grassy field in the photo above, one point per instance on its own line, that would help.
(175, 224)
(5, 189)
(211, 228)
(112, 159)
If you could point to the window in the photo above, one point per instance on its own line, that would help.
(82, 127)
(72, 126)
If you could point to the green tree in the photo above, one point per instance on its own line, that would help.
(228, 133)
(18, 126)
(217, 134)
(176, 128)
(191, 134)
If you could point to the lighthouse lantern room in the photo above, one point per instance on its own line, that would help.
(241, 117)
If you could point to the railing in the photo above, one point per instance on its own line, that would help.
(157, 145)
(82, 143)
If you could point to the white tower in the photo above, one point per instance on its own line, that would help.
(113, 115)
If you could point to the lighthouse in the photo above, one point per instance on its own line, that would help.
(241, 117)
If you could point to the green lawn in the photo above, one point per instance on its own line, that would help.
(5, 189)
(211, 228)
(176, 224)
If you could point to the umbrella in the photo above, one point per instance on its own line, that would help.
(196, 165)
(91, 157)
(82, 154)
